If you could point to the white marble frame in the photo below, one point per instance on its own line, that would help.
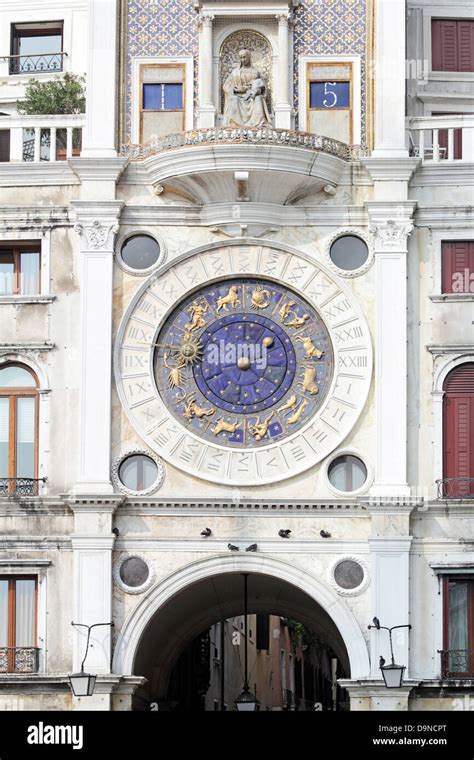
(355, 60)
(18, 235)
(349, 591)
(125, 234)
(188, 62)
(231, 456)
(440, 236)
(44, 411)
(355, 232)
(160, 467)
(350, 451)
(133, 589)
(449, 361)
(219, 35)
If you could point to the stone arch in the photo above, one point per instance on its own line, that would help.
(337, 610)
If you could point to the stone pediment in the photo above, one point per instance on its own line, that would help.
(246, 7)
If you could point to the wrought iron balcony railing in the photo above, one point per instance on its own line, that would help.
(239, 135)
(457, 663)
(27, 64)
(19, 659)
(455, 488)
(20, 486)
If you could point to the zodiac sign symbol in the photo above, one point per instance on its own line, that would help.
(297, 321)
(197, 311)
(231, 298)
(308, 384)
(260, 429)
(175, 377)
(298, 414)
(285, 310)
(311, 352)
(290, 404)
(221, 426)
(258, 298)
(192, 409)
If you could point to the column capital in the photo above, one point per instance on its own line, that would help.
(97, 235)
(391, 234)
(97, 224)
(283, 18)
(206, 18)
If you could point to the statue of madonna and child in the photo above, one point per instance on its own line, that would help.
(244, 88)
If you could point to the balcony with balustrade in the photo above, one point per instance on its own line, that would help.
(442, 140)
(40, 139)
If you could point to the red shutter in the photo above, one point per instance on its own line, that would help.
(457, 258)
(443, 45)
(458, 425)
(465, 40)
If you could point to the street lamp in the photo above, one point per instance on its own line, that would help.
(393, 673)
(246, 702)
(83, 684)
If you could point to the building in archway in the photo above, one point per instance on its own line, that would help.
(236, 307)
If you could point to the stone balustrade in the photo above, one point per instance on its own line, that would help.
(433, 138)
(31, 137)
(244, 135)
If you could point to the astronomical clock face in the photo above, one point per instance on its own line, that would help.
(244, 362)
(243, 378)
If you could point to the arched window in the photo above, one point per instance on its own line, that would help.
(18, 430)
(458, 432)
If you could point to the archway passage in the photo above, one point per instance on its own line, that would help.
(176, 633)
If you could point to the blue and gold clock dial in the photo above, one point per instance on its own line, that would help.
(244, 362)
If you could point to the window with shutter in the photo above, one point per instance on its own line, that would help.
(452, 44)
(458, 429)
(457, 266)
(465, 41)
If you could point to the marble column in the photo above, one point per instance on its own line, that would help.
(207, 109)
(390, 244)
(389, 75)
(96, 224)
(282, 95)
(101, 93)
(92, 544)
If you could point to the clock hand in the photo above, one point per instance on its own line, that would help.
(161, 345)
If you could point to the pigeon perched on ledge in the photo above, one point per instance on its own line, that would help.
(233, 548)
(251, 548)
(284, 533)
(206, 532)
(324, 534)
